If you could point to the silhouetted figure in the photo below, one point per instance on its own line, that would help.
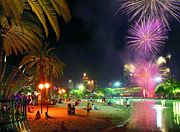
(127, 103)
(69, 109)
(38, 115)
(109, 103)
(47, 116)
(104, 99)
(76, 103)
(73, 109)
(88, 109)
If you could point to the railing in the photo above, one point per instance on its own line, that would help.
(13, 115)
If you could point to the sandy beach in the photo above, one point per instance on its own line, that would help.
(98, 120)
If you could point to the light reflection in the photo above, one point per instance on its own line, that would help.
(176, 112)
(159, 110)
(121, 101)
(159, 116)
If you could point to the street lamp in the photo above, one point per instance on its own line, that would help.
(41, 87)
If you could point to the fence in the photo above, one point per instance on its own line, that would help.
(13, 115)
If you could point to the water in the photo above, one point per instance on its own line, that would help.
(153, 115)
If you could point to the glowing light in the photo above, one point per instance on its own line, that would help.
(129, 67)
(167, 70)
(161, 9)
(161, 60)
(147, 37)
(81, 87)
(117, 84)
(176, 112)
(41, 86)
(169, 56)
(158, 79)
(63, 90)
(46, 85)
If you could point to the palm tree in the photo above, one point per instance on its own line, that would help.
(15, 81)
(14, 38)
(42, 9)
(12, 8)
(43, 63)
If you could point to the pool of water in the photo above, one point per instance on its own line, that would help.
(154, 115)
(151, 115)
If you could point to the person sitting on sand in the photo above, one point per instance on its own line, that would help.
(47, 116)
(38, 115)
(94, 107)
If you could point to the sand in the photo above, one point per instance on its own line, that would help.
(98, 120)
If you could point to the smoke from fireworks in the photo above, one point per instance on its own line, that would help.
(161, 9)
(147, 37)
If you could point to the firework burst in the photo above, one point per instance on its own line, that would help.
(147, 36)
(144, 74)
(161, 9)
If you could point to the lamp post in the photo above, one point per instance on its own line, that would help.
(47, 85)
(41, 87)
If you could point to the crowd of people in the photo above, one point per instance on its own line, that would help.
(71, 110)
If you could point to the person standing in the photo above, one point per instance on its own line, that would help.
(88, 109)
(127, 103)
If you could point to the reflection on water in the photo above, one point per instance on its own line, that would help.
(176, 112)
(159, 110)
(155, 115)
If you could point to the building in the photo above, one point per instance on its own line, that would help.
(70, 84)
(88, 83)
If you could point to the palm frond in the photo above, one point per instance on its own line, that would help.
(62, 9)
(37, 9)
(13, 9)
(51, 15)
(17, 39)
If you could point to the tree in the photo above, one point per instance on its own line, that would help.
(43, 9)
(14, 38)
(168, 88)
(42, 63)
(14, 82)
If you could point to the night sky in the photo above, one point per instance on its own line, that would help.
(95, 42)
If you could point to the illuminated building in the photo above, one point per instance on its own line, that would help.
(89, 84)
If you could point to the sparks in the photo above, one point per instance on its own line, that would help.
(147, 36)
